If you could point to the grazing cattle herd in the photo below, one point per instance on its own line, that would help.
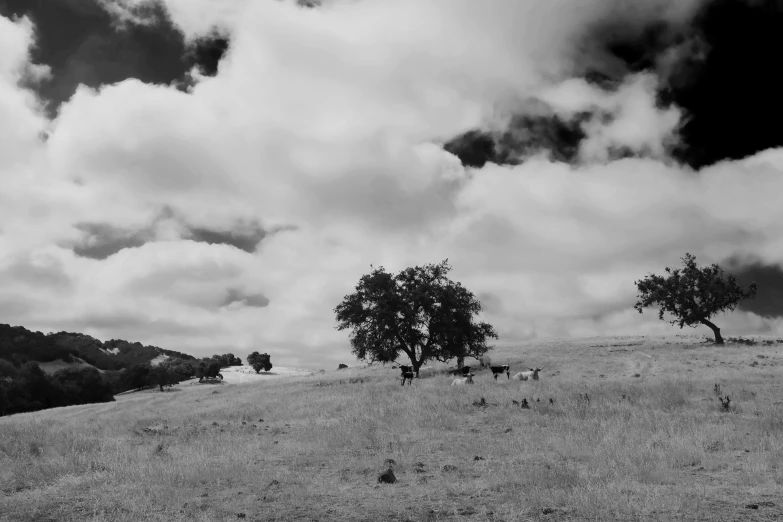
(407, 373)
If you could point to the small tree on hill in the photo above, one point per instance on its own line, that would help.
(161, 376)
(207, 369)
(135, 377)
(226, 360)
(260, 361)
(692, 294)
(179, 369)
(419, 312)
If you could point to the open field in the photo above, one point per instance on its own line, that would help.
(246, 374)
(199, 453)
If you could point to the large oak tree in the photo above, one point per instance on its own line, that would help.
(692, 294)
(419, 312)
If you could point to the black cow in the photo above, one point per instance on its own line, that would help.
(460, 371)
(342, 366)
(498, 370)
(407, 373)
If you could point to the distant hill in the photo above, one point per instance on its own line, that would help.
(19, 345)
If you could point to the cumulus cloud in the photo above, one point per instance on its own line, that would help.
(236, 215)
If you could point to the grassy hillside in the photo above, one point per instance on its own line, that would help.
(652, 443)
(21, 345)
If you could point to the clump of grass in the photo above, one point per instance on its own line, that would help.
(770, 423)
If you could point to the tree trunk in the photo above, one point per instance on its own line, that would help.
(715, 330)
(416, 364)
(161, 386)
(460, 362)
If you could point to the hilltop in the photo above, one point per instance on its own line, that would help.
(634, 431)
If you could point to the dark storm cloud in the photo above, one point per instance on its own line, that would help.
(769, 278)
(733, 98)
(206, 52)
(525, 136)
(608, 52)
(84, 44)
(720, 69)
(253, 300)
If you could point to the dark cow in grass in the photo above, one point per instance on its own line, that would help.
(499, 370)
(407, 374)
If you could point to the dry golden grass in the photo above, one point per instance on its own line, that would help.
(665, 452)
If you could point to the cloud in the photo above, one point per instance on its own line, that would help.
(101, 240)
(20, 110)
(102, 42)
(242, 299)
(236, 214)
(768, 302)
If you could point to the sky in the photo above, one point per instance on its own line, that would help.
(214, 177)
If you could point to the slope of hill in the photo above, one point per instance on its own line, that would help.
(17, 344)
(59, 364)
(634, 431)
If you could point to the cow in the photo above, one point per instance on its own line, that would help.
(342, 366)
(466, 380)
(499, 370)
(460, 371)
(484, 361)
(407, 373)
(532, 374)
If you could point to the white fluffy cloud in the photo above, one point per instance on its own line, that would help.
(323, 122)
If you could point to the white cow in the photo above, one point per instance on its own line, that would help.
(466, 380)
(532, 374)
